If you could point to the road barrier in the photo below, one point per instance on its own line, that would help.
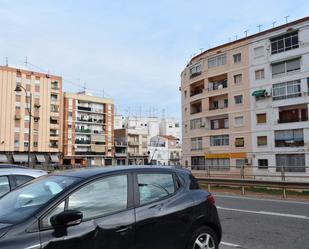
(284, 185)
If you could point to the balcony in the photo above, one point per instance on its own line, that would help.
(90, 120)
(218, 107)
(82, 141)
(196, 88)
(293, 114)
(121, 154)
(83, 130)
(84, 108)
(133, 143)
(217, 83)
(196, 107)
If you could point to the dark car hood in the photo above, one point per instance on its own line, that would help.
(4, 228)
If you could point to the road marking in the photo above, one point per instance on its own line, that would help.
(260, 199)
(266, 213)
(229, 244)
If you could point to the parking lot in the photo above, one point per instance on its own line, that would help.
(263, 223)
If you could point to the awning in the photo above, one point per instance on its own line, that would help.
(259, 93)
(226, 155)
(3, 158)
(40, 158)
(20, 158)
(54, 158)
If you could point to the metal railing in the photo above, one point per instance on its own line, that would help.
(281, 177)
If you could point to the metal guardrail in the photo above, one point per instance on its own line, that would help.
(284, 185)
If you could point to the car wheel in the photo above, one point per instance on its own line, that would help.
(203, 238)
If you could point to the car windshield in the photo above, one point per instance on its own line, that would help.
(23, 202)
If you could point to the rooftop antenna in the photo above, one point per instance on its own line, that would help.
(163, 113)
(246, 32)
(84, 87)
(286, 19)
(236, 36)
(229, 39)
(274, 24)
(26, 62)
(259, 26)
(7, 61)
(103, 93)
(201, 50)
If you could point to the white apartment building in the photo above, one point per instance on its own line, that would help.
(279, 77)
(170, 126)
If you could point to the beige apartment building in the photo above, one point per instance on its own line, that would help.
(46, 128)
(216, 119)
(88, 138)
(131, 146)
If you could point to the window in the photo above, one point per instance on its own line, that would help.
(45, 223)
(196, 123)
(261, 118)
(154, 187)
(35, 144)
(239, 121)
(259, 52)
(237, 58)
(289, 138)
(259, 74)
(290, 163)
(196, 70)
(217, 61)
(198, 162)
(218, 164)
(196, 143)
(4, 185)
(221, 140)
(239, 142)
(287, 90)
(240, 163)
(261, 140)
(238, 99)
(222, 123)
(285, 67)
(21, 179)
(284, 42)
(238, 78)
(101, 197)
(263, 163)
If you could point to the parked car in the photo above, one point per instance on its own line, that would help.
(115, 207)
(12, 176)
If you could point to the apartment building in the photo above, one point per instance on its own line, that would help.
(42, 95)
(279, 76)
(88, 138)
(170, 127)
(131, 146)
(246, 102)
(216, 118)
(165, 150)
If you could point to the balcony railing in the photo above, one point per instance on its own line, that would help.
(291, 120)
(289, 143)
(84, 108)
(218, 86)
(80, 141)
(196, 92)
(218, 107)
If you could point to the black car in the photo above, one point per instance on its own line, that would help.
(110, 208)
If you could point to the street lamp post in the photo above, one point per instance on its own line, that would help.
(19, 88)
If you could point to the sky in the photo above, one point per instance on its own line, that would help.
(131, 51)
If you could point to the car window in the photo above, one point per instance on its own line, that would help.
(4, 185)
(21, 179)
(153, 187)
(101, 197)
(23, 202)
(45, 223)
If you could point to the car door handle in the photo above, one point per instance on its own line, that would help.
(158, 206)
(123, 229)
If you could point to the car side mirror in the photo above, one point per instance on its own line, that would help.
(67, 218)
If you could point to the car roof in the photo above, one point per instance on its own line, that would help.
(9, 166)
(96, 171)
(22, 171)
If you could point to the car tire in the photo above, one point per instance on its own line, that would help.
(199, 238)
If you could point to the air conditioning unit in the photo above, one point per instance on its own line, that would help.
(248, 161)
(203, 125)
(220, 87)
(267, 94)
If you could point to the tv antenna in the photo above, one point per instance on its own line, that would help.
(246, 32)
(259, 26)
(274, 24)
(286, 19)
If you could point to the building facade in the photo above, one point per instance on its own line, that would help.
(279, 76)
(246, 103)
(216, 108)
(131, 146)
(44, 92)
(88, 138)
(170, 127)
(165, 150)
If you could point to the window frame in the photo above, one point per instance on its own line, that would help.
(176, 182)
(65, 198)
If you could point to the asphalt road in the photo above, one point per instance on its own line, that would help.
(255, 223)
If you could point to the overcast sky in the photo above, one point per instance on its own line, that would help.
(134, 50)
